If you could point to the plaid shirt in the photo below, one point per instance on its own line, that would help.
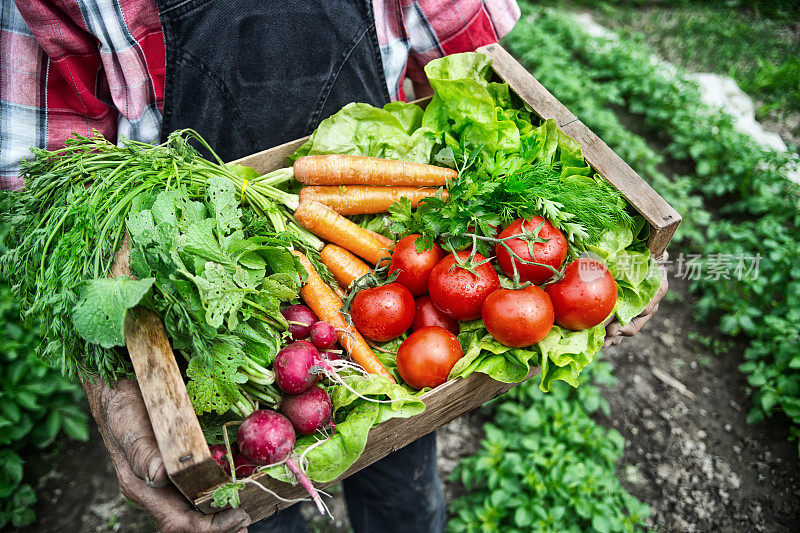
(78, 65)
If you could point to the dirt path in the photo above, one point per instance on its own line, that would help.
(695, 460)
(693, 457)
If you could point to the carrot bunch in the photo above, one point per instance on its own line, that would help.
(353, 185)
(338, 185)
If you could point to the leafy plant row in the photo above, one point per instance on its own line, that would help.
(37, 404)
(545, 465)
(737, 201)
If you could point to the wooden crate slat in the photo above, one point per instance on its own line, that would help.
(443, 404)
(180, 440)
(661, 216)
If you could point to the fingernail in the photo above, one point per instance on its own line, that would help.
(152, 472)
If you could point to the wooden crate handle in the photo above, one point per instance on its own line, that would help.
(180, 439)
(663, 219)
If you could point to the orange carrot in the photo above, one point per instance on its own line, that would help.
(344, 266)
(327, 306)
(324, 222)
(387, 242)
(340, 169)
(364, 199)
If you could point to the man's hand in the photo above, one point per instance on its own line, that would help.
(616, 331)
(122, 419)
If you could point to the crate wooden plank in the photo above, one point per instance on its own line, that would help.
(186, 456)
(661, 216)
(443, 404)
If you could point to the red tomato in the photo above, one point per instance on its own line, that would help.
(585, 296)
(383, 313)
(518, 318)
(426, 357)
(428, 314)
(553, 252)
(414, 267)
(459, 293)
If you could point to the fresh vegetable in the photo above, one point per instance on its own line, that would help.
(383, 313)
(300, 319)
(266, 438)
(294, 367)
(324, 222)
(427, 314)
(537, 242)
(460, 283)
(70, 220)
(358, 170)
(413, 267)
(585, 296)
(343, 265)
(220, 454)
(323, 335)
(327, 306)
(309, 411)
(518, 317)
(426, 357)
(365, 199)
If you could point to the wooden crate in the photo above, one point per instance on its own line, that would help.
(176, 428)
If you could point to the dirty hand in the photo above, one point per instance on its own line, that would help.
(616, 331)
(122, 420)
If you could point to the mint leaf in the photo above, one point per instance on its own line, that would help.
(99, 316)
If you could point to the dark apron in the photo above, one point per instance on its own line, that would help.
(252, 74)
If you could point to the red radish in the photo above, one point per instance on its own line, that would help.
(220, 454)
(308, 411)
(323, 335)
(293, 367)
(300, 319)
(244, 467)
(265, 438)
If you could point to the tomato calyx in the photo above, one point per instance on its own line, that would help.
(469, 263)
(367, 281)
(530, 237)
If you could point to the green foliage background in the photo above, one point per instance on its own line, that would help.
(37, 405)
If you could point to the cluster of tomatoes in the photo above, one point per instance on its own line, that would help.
(433, 291)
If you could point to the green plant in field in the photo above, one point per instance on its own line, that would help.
(545, 465)
(737, 202)
(36, 405)
(760, 53)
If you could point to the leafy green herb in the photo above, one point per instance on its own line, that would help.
(71, 218)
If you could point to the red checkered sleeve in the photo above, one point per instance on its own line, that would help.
(77, 66)
(413, 33)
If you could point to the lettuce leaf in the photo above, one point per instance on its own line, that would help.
(562, 355)
(354, 418)
(637, 275)
(361, 129)
(464, 103)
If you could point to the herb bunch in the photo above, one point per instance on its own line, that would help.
(482, 200)
(69, 221)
